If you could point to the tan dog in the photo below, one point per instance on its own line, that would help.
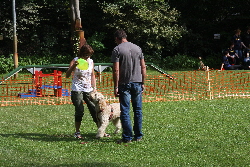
(105, 113)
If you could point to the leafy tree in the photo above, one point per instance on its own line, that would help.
(42, 27)
(150, 24)
(162, 28)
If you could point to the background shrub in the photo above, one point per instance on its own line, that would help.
(7, 63)
(177, 62)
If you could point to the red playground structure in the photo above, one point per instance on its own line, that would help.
(40, 81)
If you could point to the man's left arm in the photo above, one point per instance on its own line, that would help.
(116, 77)
(143, 72)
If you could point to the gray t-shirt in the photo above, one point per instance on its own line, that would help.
(129, 56)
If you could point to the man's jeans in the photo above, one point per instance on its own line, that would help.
(133, 92)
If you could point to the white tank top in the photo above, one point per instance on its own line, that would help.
(82, 78)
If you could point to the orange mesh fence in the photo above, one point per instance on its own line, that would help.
(191, 85)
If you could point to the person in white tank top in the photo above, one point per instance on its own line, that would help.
(83, 82)
(82, 79)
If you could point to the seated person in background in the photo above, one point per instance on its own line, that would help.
(227, 66)
(233, 54)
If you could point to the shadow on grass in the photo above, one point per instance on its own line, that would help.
(89, 137)
(88, 164)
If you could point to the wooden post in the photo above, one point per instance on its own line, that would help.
(80, 35)
(15, 55)
(209, 83)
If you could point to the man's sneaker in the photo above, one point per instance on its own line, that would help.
(78, 135)
(138, 139)
(123, 141)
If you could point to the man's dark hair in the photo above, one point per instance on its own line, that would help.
(120, 34)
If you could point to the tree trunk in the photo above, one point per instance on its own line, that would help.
(77, 35)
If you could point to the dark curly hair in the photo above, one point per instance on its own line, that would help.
(86, 50)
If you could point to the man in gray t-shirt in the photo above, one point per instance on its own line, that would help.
(129, 73)
(129, 57)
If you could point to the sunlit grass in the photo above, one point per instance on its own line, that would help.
(182, 133)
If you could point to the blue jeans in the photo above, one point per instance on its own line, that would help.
(239, 53)
(133, 92)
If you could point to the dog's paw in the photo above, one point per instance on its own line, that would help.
(97, 137)
(116, 132)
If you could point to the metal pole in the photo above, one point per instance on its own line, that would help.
(15, 54)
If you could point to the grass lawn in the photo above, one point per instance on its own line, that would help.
(177, 133)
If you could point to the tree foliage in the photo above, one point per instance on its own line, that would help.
(162, 28)
(151, 24)
(42, 26)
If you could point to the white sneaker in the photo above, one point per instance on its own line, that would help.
(78, 135)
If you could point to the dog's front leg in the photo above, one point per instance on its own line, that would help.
(102, 128)
(117, 124)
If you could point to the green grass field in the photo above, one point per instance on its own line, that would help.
(177, 133)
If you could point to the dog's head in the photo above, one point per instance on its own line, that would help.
(96, 96)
